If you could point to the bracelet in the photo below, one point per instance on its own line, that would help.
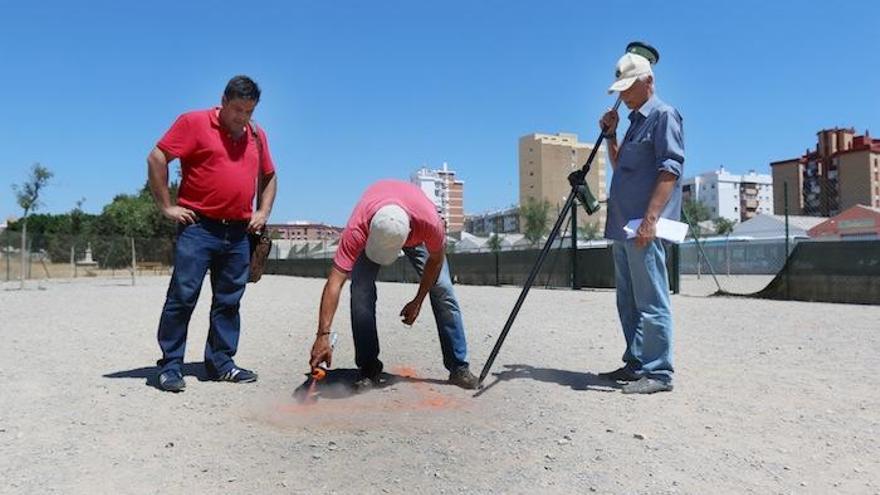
(610, 136)
(323, 333)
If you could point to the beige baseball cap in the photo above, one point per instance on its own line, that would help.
(629, 68)
(389, 229)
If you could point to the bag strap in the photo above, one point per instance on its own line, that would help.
(254, 130)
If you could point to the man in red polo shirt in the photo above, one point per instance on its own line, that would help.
(222, 154)
(390, 216)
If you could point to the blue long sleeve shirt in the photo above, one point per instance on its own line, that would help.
(653, 143)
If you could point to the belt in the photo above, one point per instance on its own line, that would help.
(222, 221)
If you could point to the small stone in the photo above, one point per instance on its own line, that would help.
(786, 468)
(331, 446)
(550, 456)
(316, 456)
(169, 445)
(803, 483)
(638, 436)
(563, 441)
(609, 430)
(232, 480)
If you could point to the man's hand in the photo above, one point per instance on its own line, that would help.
(410, 312)
(257, 222)
(180, 214)
(322, 352)
(646, 232)
(608, 122)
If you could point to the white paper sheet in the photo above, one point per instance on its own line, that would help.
(666, 229)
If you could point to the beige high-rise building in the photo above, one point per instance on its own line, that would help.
(843, 171)
(446, 192)
(545, 160)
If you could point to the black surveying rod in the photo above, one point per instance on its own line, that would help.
(569, 203)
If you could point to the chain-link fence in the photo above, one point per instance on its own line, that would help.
(58, 256)
(749, 258)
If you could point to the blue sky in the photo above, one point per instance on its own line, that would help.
(354, 91)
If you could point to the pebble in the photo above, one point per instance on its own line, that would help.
(316, 456)
(638, 436)
(169, 445)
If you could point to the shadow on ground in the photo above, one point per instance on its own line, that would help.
(151, 373)
(573, 379)
(340, 383)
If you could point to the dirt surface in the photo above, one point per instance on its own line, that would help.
(771, 397)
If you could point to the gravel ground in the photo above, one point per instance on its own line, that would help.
(771, 397)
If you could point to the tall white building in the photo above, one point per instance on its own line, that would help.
(731, 196)
(446, 191)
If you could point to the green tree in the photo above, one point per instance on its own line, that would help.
(590, 231)
(534, 218)
(494, 244)
(28, 197)
(694, 212)
(723, 226)
(132, 216)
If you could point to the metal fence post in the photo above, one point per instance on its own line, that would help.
(574, 248)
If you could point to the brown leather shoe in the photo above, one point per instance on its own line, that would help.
(464, 379)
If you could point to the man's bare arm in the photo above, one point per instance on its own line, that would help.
(157, 173)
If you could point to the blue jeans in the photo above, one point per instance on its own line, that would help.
(224, 250)
(447, 314)
(643, 306)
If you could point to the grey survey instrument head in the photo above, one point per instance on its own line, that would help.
(645, 50)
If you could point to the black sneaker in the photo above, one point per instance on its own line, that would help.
(238, 375)
(623, 374)
(647, 385)
(171, 381)
(464, 378)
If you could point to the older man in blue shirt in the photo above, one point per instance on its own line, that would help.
(647, 166)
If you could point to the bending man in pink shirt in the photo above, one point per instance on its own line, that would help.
(390, 216)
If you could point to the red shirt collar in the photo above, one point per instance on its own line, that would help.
(214, 117)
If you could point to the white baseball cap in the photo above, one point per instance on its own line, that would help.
(629, 68)
(389, 229)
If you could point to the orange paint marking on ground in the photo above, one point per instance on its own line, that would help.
(426, 399)
(431, 399)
